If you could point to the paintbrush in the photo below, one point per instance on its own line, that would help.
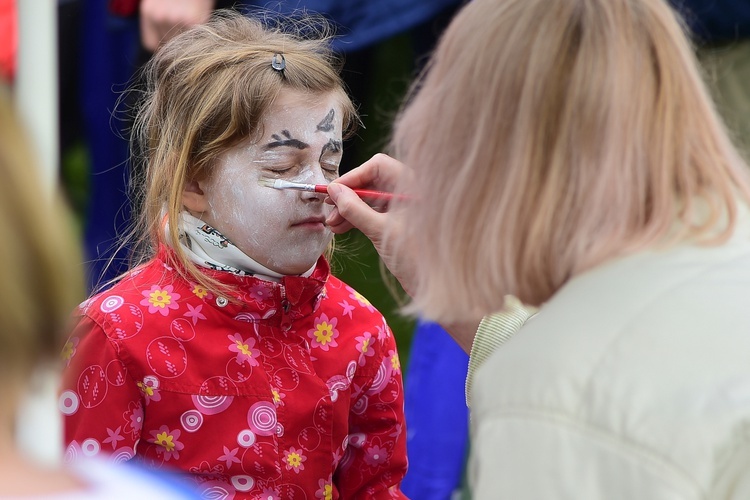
(323, 188)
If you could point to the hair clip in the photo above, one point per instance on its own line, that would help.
(278, 62)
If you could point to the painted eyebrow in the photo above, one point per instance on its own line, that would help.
(286, 141)
(332, 146)
(326, 125)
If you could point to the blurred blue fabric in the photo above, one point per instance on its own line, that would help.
(364, 22)
(437, 419)
(109, 46)
(716, 21)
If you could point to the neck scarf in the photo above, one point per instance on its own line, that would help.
(207, 247)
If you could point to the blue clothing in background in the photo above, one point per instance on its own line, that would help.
(109, 46)
(365, 22)
(437, 419)
(716, 21)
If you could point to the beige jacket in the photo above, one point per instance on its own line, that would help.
(632, 382)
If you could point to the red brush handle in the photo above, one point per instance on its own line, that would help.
(362, 193)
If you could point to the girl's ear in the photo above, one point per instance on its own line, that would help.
(194, 199)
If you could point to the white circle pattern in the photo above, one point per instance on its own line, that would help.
(243, 483)
(90, 447)
(111, 303)
(191, 420)
(68, 402)
(246, 438)
(262, 418)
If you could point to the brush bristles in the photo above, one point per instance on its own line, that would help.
(268, 183)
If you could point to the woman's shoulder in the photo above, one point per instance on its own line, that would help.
(656, 339)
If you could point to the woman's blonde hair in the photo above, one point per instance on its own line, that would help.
(548, 136)
(208, 89)
(40, 260)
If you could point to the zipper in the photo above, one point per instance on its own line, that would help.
(286, 323)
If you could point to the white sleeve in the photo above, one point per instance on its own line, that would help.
(540, 457)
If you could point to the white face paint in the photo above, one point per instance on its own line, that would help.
(283, 230)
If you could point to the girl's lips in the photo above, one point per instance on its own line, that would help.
(313, 222)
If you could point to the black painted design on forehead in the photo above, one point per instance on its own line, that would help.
(326, 125)
(287, 140)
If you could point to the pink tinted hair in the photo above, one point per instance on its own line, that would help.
(548, 136)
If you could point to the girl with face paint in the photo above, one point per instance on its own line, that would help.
(229, 352)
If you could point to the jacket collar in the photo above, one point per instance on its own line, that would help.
(255, 299)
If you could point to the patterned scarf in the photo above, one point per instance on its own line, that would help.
(207, 247)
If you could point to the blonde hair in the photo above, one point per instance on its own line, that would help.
(207, 90)
(40, 260)
(548, 136)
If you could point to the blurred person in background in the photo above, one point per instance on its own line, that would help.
(42, 280)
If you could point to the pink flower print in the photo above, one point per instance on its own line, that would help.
(325, 489)
(353, 294)
(167, 442)
(260, 293)
(133, 418)
(194, 313)
(201, 292)
(114, 437)
(324, 334)
(382, 331)
(229, 456)
(348, 308)
(277, 396)
(395, 361)
(150, 389)
(69, 350)
(244, 349)
(160, 300)
(293, 458)
(364, 346)
(375, 455)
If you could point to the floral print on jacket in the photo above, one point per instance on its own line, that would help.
(291, 390)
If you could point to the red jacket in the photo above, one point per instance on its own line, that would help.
(294, 392)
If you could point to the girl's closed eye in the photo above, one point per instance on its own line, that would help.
(283, 170)
(330, 167)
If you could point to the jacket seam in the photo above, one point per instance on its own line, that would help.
(116, 348)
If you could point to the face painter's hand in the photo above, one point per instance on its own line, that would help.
(380, 173)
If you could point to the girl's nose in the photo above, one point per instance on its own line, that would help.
(317, 177)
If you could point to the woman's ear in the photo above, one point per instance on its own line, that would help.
(194, 199)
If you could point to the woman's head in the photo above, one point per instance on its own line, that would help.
(550, 135)
(216, 97)
(40, 264)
